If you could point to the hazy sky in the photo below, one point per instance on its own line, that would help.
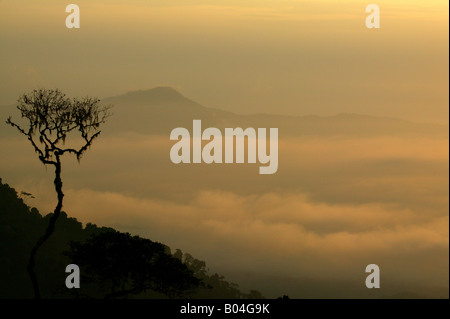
(271, 56)
(336, 204)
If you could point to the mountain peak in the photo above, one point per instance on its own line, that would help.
(156, 91)
(160, 95)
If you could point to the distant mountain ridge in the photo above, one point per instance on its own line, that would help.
(159, 110)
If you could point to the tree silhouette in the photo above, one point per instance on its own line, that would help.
(50, 118)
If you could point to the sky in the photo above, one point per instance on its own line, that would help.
(336, 203)
(289, 57)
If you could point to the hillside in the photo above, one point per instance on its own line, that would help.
(20, 226)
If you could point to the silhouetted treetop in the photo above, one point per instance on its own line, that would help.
(51, 116)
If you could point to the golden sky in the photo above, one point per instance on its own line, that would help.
(336, 204)
(290, 57)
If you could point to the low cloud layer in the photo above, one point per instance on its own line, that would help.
(281, 234)
(335, 205)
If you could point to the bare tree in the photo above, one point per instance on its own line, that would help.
(50, 118)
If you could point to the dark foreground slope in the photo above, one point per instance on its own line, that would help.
(90, 247)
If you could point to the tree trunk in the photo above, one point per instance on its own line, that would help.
(49, 231)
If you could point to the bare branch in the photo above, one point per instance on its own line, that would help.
(51, 117)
